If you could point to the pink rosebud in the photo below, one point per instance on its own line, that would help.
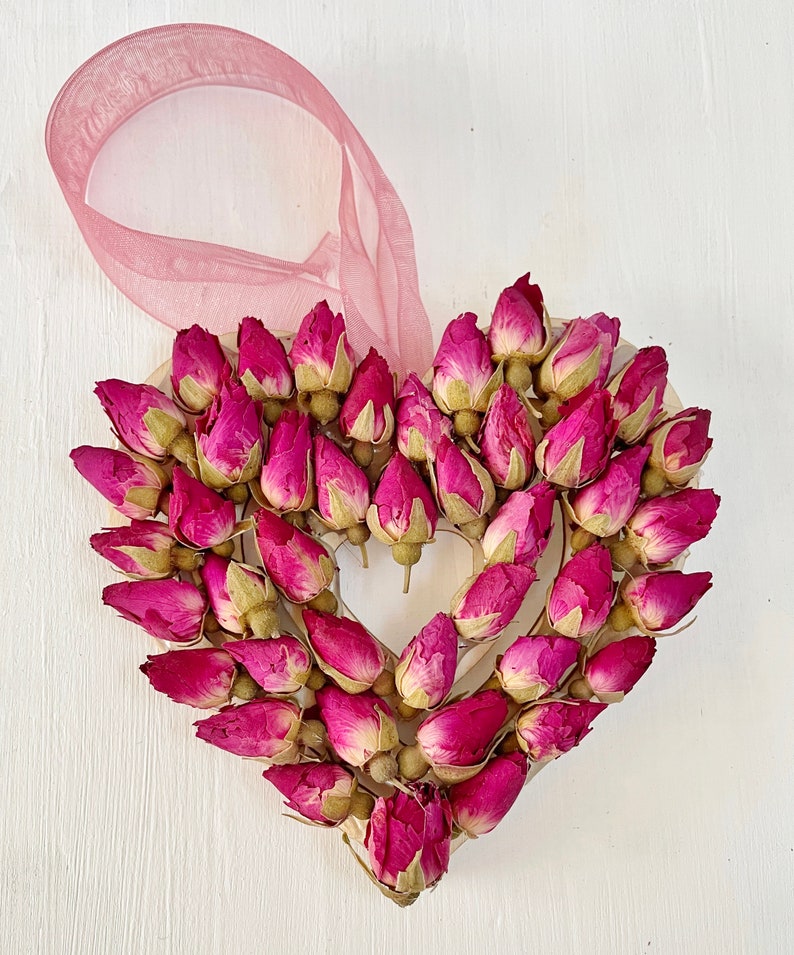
(343, 494)
(408, 838)
(229, 442)
(604, 506)
(577, 448)
(614, 670)
(345, 650)
(358, 726)
(132, 487)
(141, 550)
(262, 364)
(548, 729)
(660, 600)
(134, 411)
(199, 367)
(520, 326)
(521, 529)
(464, 488)
(638, 390)
(287, 478)
(532, 667)
(419, 423)
(367, 413)
(425, 671)
(321, 356)
(279, 665)
(296, 562)
(680, 445)
(464, 378)
(488, 601)
(202, 678)
(508, 448)
(461, 734)
(170, 610)
(580, 358)
(197, 515)
(581, 596)
(479, 804)
(239, 595)
(662, 528)
(402, 508)
(261, 729)
(320, 792)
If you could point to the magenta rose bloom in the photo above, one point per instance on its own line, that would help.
(425, 671)
(344, 650)
(533, 667)
(604, 506)
(132, 487)
(142, 550)
(280, 665)
(488, 601)
(358, 726)
(261, 729)
(367, 413)
(577, 448)
(128, 406)
(479, 804)
(287, 478)
(229, 442)
(464, 488)
(664, 527)
(521, 529)
(419, 425)
(581, 358)
(402, 506)
(320, 792)
(519, 327)
(506, 441)
(239, 596)
(262, 364)
(321, 356)
(343, 494)
(464, 378)
(297, 564)
(408, 838)
(680, 445)
(202, 678)
(638, 390)
(198, 516)
(658, 601)
(199, 367)
(461, 734)
(550, 728)
(615, 669)
(580, 598)
(170, 610)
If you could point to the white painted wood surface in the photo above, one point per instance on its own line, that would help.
(638, 158)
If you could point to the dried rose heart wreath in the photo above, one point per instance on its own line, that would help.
(265, 468)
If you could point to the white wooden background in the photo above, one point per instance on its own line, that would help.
(637, 157)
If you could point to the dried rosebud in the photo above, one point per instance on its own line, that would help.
(419, 424)
(320, 354)
(198, 516)
(603, 507)
(577, 448)
(580, 358)
(459, 736)
(320, 792)
(262, 364)
(279, 665)
(142, 550)
(296, 562)
(464, 378)
(680, 445)
(199, 367)
(479, 804)
(261, 729)
(358, 726)
(521, 529)
(170, 610)
(663, 528)
(367, 413)
(202, 678)
(506, 441)
(488, 601)
(345, 650)
(425, 671)
(532, 667)
(408, 838)
(580, 598)
(287, 478)
(132, 487)
(402, 509)
(135, 410)
(614, 670)
(658, 601)
(239, 595)
(638, 390)
(464, 488)
(550, 728)
(343, 494)
(520, 326)
(229, 441)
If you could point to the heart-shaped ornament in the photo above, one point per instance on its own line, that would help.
(547, 467)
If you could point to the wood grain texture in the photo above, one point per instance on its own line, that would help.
(637, 157)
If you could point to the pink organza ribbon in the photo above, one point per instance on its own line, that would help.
(182, 281)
